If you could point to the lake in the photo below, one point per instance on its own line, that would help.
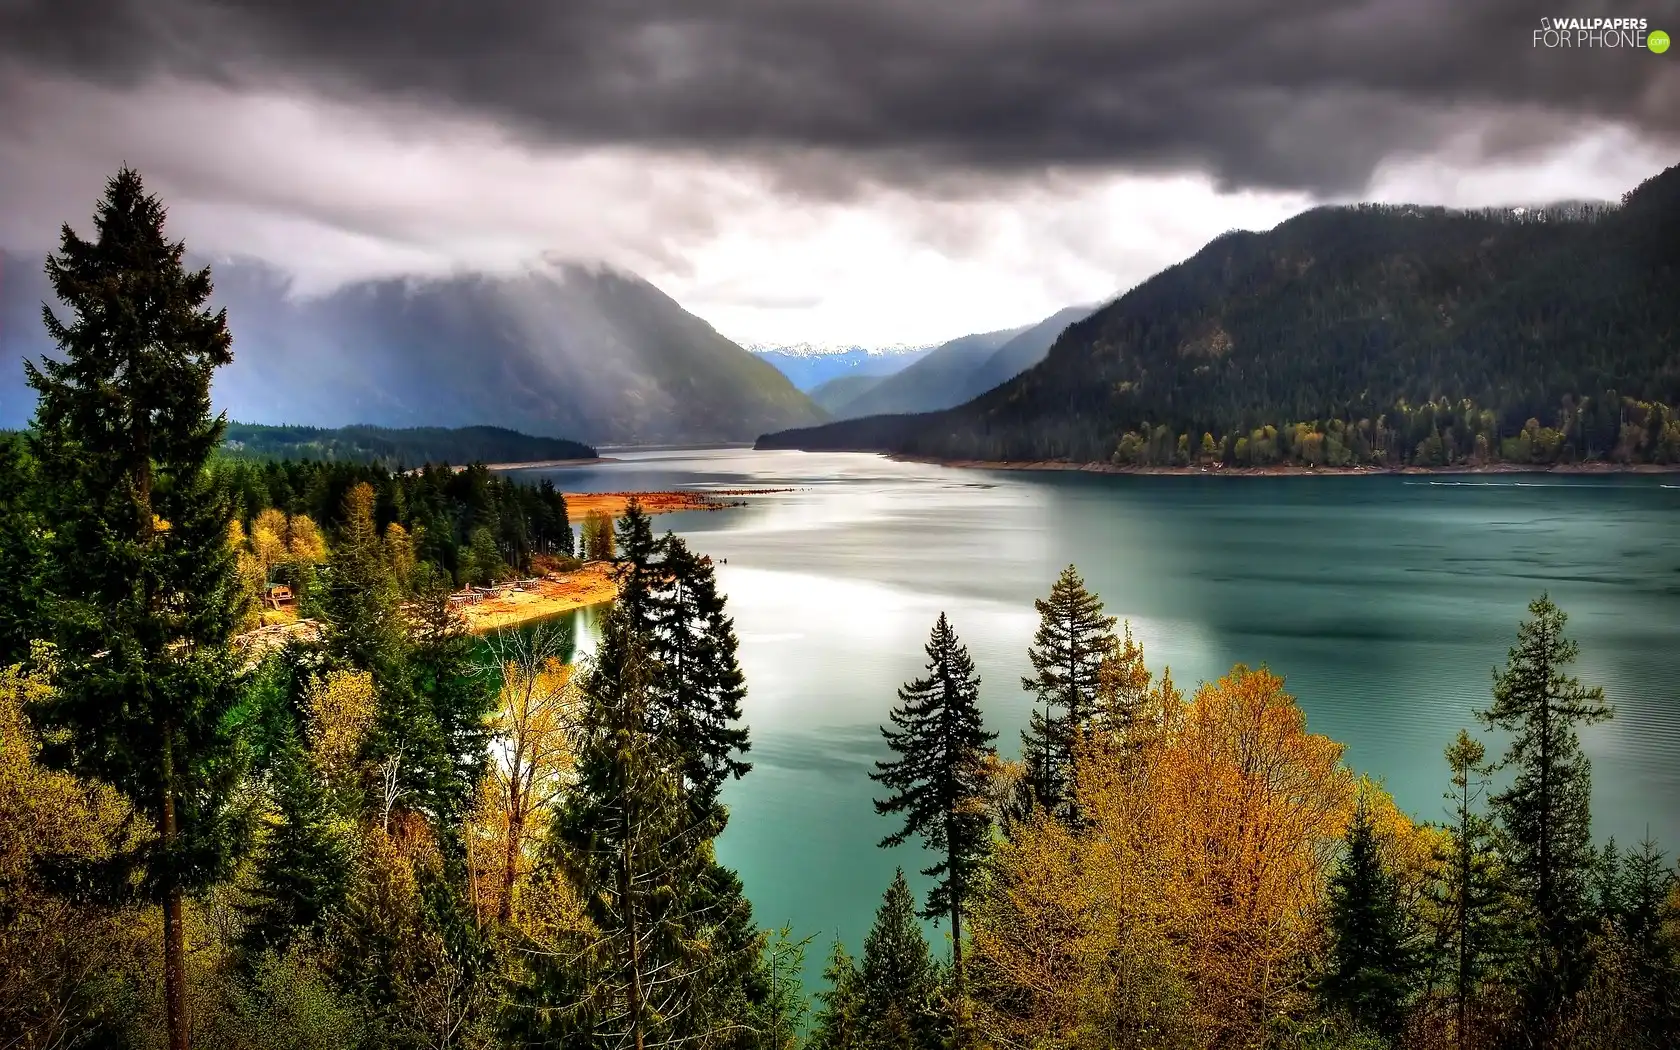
(1385, 602)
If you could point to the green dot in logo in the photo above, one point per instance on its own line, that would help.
(1657, 41)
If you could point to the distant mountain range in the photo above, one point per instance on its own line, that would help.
(561, 350)
(1346, 316)
(952, 373)
(810, 365)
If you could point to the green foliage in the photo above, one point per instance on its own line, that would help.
(1069, 647)
(839, 1020)
(304, 864)
(393, 449)
(938, 780)
(20, 552)
(898, 983)
(1371, 962)
(1471, 914)
(1545, 812)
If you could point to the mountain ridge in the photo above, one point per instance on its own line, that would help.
(1368, 332)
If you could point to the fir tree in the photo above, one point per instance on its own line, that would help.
(1649, 925)
(699, 685)
(897, 979)
(20, 554)
(839, 1021)
(1068, 650)
(1545, 813)
(622, 837)
(938, 779)
(1470, 896)
(359, 601)
(303, 871)
(142, 583)
(1371, 962)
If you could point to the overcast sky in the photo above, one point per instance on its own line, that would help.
(834, 171)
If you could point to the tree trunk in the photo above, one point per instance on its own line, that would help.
(510, 866)
(174, 938)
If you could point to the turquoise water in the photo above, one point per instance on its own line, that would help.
(1385, 602)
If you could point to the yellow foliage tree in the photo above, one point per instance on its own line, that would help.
(1185, 910)
(55, 956)
(342, 707)
(531, 761)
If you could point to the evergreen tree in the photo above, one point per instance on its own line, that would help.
(20, 555)
(1649, 925)
(1545, 813)
(1470, 897)
(1073, 639)
(303, 871)
(442, 725)
(359, 600)
(142, 586)
(938, 779)
(839, 1021)
(699, 685)
(897, 979)
(623, 839)
(1371, 961)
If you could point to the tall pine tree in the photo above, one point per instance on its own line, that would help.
(938, 780)
(1371, 959)
(1068, 651)
(839, 1020)
(1471, 916)
(624, 839)
(141, 583)
(897, 979)
(1546, 811)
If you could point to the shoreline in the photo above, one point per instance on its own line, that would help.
(592, 584)
(669, 501)
(1291, 470)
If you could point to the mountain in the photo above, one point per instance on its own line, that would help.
(834, 394)
(393, 448)
(559, 350)
(1019, 354)
(1368, 325)
(933, 382)
(810, 366)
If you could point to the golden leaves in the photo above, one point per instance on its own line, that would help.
(341, 709)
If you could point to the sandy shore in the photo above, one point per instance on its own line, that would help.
(1285, 470)
(581, 504)
(590, 585)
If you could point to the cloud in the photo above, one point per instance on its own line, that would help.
(851, 172)
(1279, 94)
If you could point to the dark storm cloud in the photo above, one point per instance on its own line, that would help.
(1307, 94)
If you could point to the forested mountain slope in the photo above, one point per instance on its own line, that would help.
(1391, 332)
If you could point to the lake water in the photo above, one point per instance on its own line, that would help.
(1385, 601)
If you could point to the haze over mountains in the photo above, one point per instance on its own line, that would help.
(1341, 313)
(952, 373)
(810, 365)
(567, 351)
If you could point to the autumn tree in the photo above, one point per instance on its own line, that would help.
(531, 750)
(937, 783)
(1545, 813)
(1069, 647)
(596, 537)
(142, 586)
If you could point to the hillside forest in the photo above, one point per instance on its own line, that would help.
(403, 836)
(1369, 335)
